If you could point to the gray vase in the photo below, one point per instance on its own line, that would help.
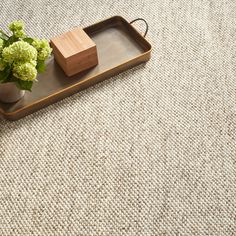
(9, 92)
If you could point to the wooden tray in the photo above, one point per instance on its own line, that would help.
(119, 47)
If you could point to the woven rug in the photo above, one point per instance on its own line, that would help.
(151, 151)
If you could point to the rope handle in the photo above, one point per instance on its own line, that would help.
(138, 19)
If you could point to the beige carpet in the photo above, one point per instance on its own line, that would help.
(149, 152)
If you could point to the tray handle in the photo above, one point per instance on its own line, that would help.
(138, 19)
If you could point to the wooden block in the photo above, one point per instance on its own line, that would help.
(74, 51)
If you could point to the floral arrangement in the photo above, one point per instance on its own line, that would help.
(21, 57)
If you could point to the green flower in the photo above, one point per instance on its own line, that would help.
(19, 51)
(43, 48)
(1, 45)
(16, 25)
(17, 28)
(20, 34)
(25, 71)
(21, 57)
(33, 63)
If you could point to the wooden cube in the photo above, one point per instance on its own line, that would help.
(74, 51)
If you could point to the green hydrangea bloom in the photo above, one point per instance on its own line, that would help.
(43, 48)
(19, 57)
(25, 71)
(20, 34)
(17, 28)
(33, 63)
(19, 51)
(16, 25)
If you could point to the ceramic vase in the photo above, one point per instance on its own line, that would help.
(10, 93)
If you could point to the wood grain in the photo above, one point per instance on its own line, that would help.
(74, 51)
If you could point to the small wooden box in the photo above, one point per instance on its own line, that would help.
(74, 51)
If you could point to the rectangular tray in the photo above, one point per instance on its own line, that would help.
(119, 47)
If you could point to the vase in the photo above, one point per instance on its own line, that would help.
(10, 93)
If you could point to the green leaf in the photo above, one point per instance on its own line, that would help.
(28, 40)
(24, 85)
(41, 66)
(4, 74)
(10, 41)
(3, 35)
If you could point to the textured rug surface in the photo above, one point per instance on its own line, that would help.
(151, 151)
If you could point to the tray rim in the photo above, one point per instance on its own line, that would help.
(7, 115)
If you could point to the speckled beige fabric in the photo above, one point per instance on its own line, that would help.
(149, 152)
